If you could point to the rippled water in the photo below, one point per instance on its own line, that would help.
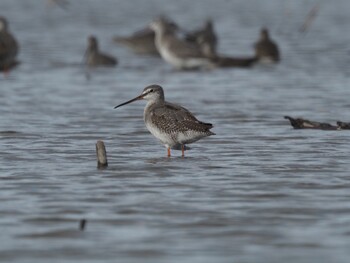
(258, 191)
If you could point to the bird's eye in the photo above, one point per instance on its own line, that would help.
(151, 90)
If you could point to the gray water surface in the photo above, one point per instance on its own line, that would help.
(257, 191)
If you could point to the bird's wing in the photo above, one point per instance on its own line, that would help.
(174, 118)
(8, 46)
(263, 47)
(275, 50)
(184, 49)
(143, 34)
(107, 59)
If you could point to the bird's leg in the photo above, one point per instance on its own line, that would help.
(169, 152)
(183, 150)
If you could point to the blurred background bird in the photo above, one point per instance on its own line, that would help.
(8, 47)
(266, 50)
(176, 51)
(143, 41)
(205, 38)
(93, 57)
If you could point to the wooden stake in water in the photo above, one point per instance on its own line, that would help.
(82, 224)
(101, 155)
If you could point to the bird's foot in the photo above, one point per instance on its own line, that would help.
(169, 154)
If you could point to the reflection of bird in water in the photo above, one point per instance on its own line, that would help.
(8, 47)
(172, 124)
(93, 57)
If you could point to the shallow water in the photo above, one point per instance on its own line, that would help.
(258, 191)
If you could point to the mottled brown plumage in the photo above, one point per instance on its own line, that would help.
(172, 119)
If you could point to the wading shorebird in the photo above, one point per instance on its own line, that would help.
(93, 57)
(8, 47)
(178, 52)
(266, 50)
(172, 124)
(143, 41)
(205, 38)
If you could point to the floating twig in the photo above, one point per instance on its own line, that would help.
(310, 18)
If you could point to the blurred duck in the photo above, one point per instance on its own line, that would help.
(299, 123)
(205, 38)
(175, 51)
(8, 47)
(93, 57)
(143, 41)
(266, 50)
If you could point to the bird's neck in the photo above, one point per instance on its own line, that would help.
(93, 48)
(147, 109)
(152, 103)
(265, 38)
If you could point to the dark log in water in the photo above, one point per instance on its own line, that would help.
(101, 155)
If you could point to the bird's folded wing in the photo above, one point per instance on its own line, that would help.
(174, 118)
(183, 49)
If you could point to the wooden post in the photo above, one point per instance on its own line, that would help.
(101, 155)
(82, 224)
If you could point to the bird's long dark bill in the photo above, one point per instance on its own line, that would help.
(129, 101)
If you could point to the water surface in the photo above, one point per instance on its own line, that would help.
(258, 191)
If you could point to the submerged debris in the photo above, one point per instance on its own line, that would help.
(300, 123)
(343, 125)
